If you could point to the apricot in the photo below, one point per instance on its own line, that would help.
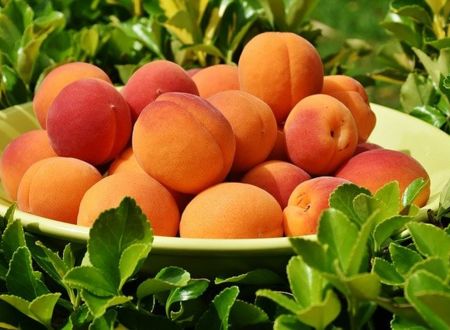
(154, 79)
(125, 162)
(192, 72)
(321, 134)
(292, 71)
(375, 168)
(362, 113)
(232, 210)
(253, 123)
(19, 155)
(343, 83)
(279, 150)
(59, 78)
(306, 203)
(89, 120)
(152, 197)
(53, 187)
(184, 142)
(365, 146)
(216, 78)
(277, 178)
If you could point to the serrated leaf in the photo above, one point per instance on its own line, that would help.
(387, 272)
(91, 279)
(412, 191)
(363, 286)
(42, 308)
(17, 302)
(281, 299)
(9, 215)
(49, 261)
(244, 314)
(167, 278)
(112, 233)
(434, 265)
(320, 315)
(21, 279)
(13, 237)
(107, 321)
(132, 257)
(430, 240)
(339, 234)
(431, 297)
(261, 277)
(306, 284)
(68, 256)
(342, 199)
(192, 290)
(312, 252)
(289, 322)
(384, 230)
(403, 258)
(218, 314)
(389, 194)
(98, 305)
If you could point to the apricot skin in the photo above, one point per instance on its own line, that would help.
(343, 83)
(215, 79)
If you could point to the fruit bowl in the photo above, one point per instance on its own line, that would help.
(209, 257)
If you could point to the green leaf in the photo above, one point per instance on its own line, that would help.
(260, 277)
(42, 308)
(434, 265)
(417, 91)
(167, 278)
(322, 314)
(363, 286)
(417, 10)
(430, 240)
(389, 194)
(342, 199)
(313, 253)
(412, 191)
(431, 298)
(112, 233)
(402, 323)
(289, 322)
(430, 114)
(432, 67)
(21, 280)
(307, 285)
(435, 5)
(403, 258)
(9, 316)
(384, 230)
(91, 279)
(244, 314)
(403, 29)
(339, 233)
(131, 259)
(98, 305)
(68, 256)
(13, 237)
(192, 290)
(387, 272)
(133, 319)
(18, 303)
(107, 321)
(217, 315)
(49, 261)
(281, 299)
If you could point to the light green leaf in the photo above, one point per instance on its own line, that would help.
(436, 5)
(412, 191)
(18, 303)
(403, 29)
(167, 278)
(416, 91)
(289, 322)
(430, 240)
(399, 323)
(107, 321)
(384, 230)
(342, 200)
(387, 272)
(244, 314)
(389, 194)
(430, 114)
(322, 314)
(132, 257)
(91, 279)
(434, 265)
(416, 10)
(217, 315)
(13, 237)
(363, 286)
(281, 299)
(260, 277)
(313, 253)
(431, 66)
(42, 308)
(68, 257)
(98, 305)
(403, 258)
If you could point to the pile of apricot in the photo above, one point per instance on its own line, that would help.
(245, 151)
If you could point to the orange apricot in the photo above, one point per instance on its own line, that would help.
(216, 78)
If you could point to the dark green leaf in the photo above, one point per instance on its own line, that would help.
(192, 290)
(13, 237)
(281, 299)
(440, 44)
(105, 322)
(320, 315)
(49, 261)
(21, 280)
(313, 253)
(434, 265)
(342, 200)
(133, 319)
(168, 278)
(430, 240)
(112, 233)
(244, 314)
(261, 277)
(412, 191)
(217, 315)
(131, 260)
(98, 305)
(430, 114)
(9, 316)
(403, 258)
(399, 323)
(289, 322)
(91, 279)
(387, 272)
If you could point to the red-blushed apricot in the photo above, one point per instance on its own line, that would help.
(279, 150)
(19, 155)
(306, 203)
(253, 123)
(184, 142)
(365, 146)
(216, 78)
(89, 120)
(280, 68)
(362, 113)
(152, 197)
(192, 72)
(59, 78)
(53, 187)
(277, 178)
(375, 168)
(154, 79)
(125, 162)
(343, 83)
(232, 210)
(321, 134)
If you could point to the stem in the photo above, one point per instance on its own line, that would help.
(201, 58)
(352, 308)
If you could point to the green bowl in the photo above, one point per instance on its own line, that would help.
(209, 257)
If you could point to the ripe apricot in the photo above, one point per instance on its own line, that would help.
(343, 83)
(216, 78)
